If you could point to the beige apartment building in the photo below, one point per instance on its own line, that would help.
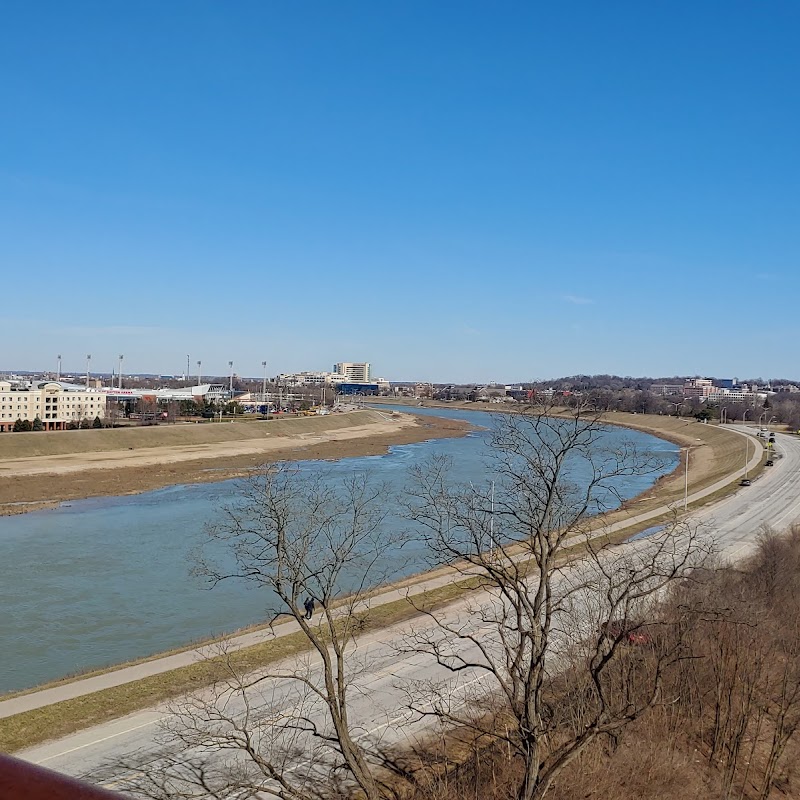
(55, 403)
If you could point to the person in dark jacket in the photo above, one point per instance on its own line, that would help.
(309, 607)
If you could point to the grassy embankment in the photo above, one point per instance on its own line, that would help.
(39, 470)
(27, 445)
(725, 453)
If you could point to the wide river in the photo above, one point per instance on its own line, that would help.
(106, 580)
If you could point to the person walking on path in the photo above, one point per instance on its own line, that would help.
(309, 607)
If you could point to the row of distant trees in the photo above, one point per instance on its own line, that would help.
(147, 411)
(24, 425)
(782, 408)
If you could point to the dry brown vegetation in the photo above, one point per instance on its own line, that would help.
(138, 460)
(728, 713)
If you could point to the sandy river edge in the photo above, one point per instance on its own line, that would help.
(44, 481)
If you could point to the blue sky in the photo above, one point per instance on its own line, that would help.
(453, 191)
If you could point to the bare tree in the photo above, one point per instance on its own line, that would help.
(535, 619)
(112, 413)
(316, 547)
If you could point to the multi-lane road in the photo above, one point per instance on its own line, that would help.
(379, 703)
(772, 501)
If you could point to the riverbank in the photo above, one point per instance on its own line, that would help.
(72, 704)
(41, 470)
(715, 453)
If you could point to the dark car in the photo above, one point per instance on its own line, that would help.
(769, 463)
(745, 482)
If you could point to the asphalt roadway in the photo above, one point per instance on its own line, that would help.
(379, 700)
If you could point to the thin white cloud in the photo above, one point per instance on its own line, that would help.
(576, 300)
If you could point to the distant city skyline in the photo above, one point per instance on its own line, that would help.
(451, 191)
(223, 376)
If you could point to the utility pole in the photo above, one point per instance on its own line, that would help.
(746, 454)
(686, 481)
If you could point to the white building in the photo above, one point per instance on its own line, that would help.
(309, 378)
(735, 396)
(353, 372)
(55, 403)
(208, 392)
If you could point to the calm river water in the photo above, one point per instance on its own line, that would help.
(107, 580)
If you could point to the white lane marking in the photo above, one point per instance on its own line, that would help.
(97, 741)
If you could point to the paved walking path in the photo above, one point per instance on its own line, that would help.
(441, 577)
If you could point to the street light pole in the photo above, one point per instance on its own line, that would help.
(744, 416)
(88, 362)
(686, 473)
(746, 453)
(58, 374)
(230, 387)
(120, 370)
(264, 387)
(199, 364)
(686, 481)
(723, 415)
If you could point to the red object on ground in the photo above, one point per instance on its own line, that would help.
(20, 780)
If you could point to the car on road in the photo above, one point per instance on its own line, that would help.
(769, 463)
(745, 482)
